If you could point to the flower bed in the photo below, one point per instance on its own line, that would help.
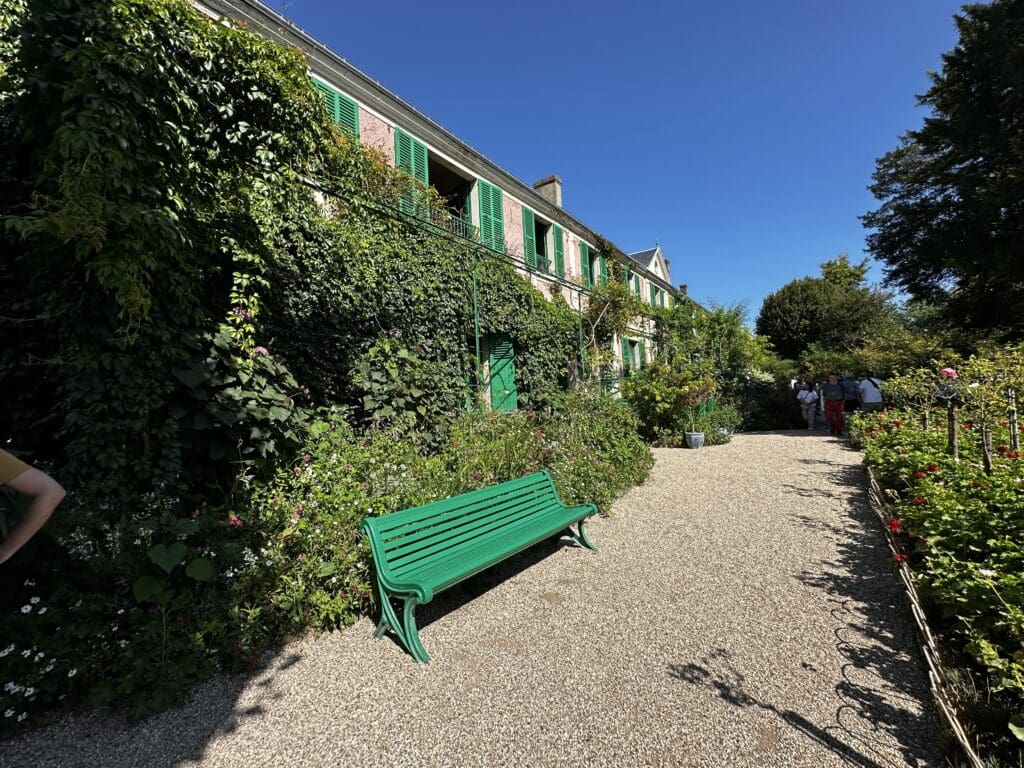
(959, 527)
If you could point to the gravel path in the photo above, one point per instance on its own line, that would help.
(741, 612)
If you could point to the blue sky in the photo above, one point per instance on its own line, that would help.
(739, 134)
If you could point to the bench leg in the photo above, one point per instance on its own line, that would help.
(412, 636)
(583, 538)
(388, 619)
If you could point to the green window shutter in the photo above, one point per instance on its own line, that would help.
(626, 356)
(654, 295)
(559, 251)
(624, 272)
(636, 284)
(492, 222)
(642, 350)
(411, 155)
(529, 237)
(602, 269)
(585, 264)
(340, 107)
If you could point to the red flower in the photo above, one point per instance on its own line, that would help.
(920, 499)
(895, 525)
(1004, 423)
(306, 459)
(920, 473)
(900, 558)
(234, 521)
(934, 468)
(896, 422)
(967, 425)
(537, 432)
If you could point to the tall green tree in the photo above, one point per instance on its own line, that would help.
(951, 224)
(837, 310)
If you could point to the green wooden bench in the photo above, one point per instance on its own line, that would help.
(422, 551)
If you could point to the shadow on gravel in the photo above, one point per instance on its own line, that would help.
(468, 591)
(882, 680)
(172, 738)
(717, 672)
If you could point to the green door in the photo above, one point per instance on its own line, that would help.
(503, 374)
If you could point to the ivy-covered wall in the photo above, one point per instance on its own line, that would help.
(180, 300)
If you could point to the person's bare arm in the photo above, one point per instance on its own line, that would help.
(47, 494)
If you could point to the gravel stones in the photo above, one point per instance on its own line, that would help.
(742, 611)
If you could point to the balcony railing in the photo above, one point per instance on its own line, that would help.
(462, 228)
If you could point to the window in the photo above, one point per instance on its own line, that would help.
(456, 191)
(595, 270)
(340, 107)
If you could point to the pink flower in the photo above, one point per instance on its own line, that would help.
(949, 373)
(260, 351)
(920, 473)
(234, 521)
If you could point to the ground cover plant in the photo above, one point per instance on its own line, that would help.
(227, 373)
(959, 509)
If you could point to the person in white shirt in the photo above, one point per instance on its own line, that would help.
(808, 399)
(870, 389)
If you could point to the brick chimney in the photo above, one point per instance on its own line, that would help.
(682, 289)
(551, 188)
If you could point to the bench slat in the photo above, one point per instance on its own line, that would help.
(470, 536)
(509, 507)
(440, 508)
(445, 573)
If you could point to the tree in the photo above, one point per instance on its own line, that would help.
(950, 227)
(835, 311)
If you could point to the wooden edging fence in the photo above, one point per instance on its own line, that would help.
(937, 680)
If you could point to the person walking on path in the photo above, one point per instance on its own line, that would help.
(46, 494)
(870, 389)
(808, 399)
(833, 396)
(851, 397)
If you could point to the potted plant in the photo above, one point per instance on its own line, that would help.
(696, 395)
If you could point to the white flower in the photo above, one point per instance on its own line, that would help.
(29, 691)
(34, 600)
(72, 672)
(10, 688)
(42, 610)
(9, 713)
(39, 656)
(6, 650)
(988, 573)
(22, 716)
(26, 609)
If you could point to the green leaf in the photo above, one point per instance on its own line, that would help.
(148, 588)
(327, 569)
(1016, 725)
(200, 569)
(167, 557)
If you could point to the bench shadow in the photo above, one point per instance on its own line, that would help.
(882, 700)
(476, 586)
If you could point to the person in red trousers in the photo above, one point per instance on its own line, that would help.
(832, 396)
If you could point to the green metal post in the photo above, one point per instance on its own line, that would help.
(579, 310)
(476, 330)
